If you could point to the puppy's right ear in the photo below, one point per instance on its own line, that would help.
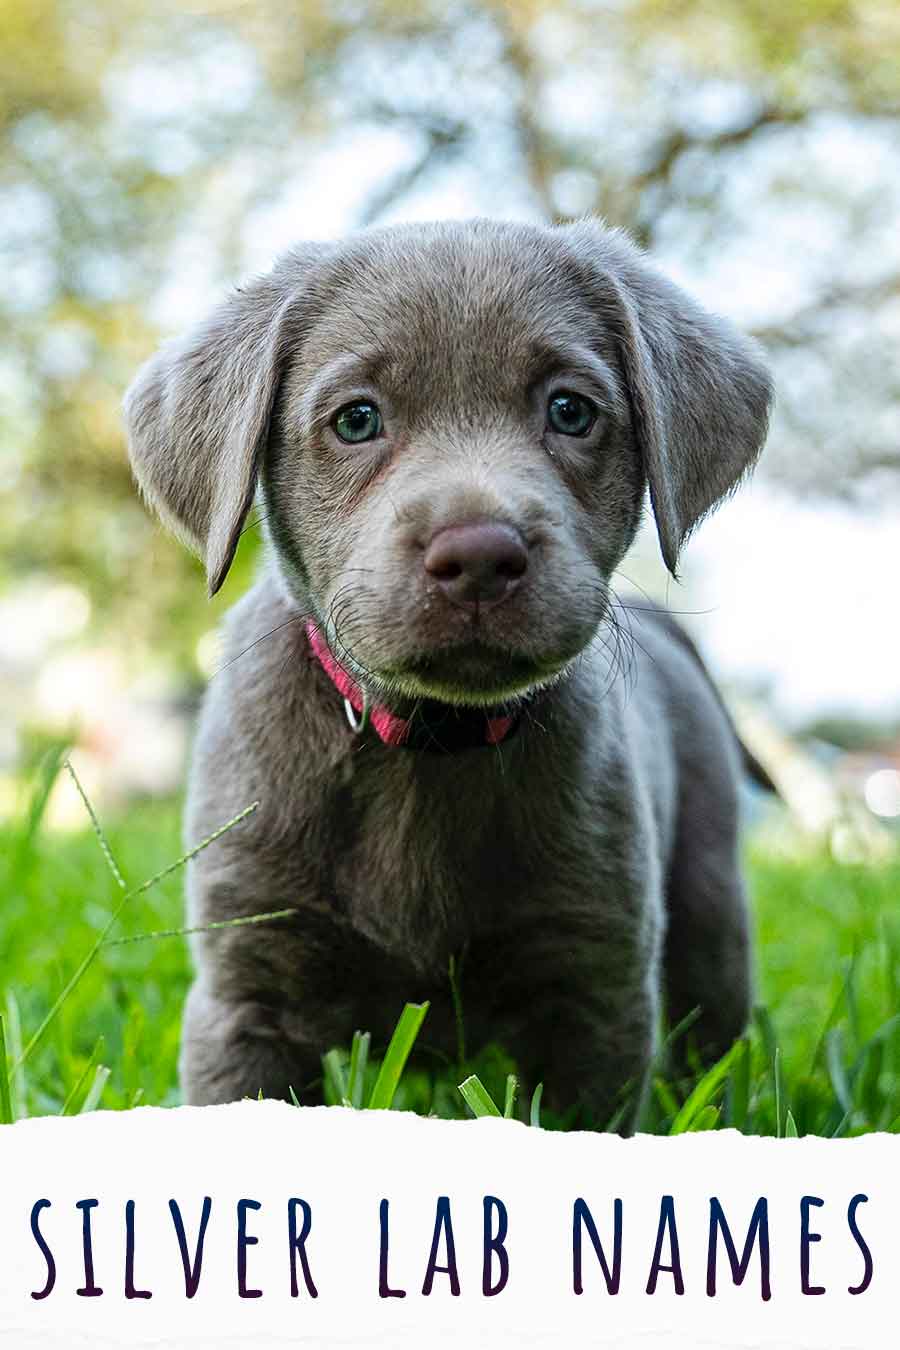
(198, 413)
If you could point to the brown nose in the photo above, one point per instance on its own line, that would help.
(478, 564)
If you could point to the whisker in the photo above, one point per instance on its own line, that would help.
(253, 524)
(653, 605)
(631, 635)
(295, 618)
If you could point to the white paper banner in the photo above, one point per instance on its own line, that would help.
(279, 1185)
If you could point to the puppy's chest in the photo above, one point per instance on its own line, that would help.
(423, 857)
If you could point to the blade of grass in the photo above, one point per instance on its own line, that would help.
(113, 919)
(359, 1058)
(833, 1015)
(766, 1027)
(666, 1097)
(776, 1074)
(707, 1119)
(335, 1078)
(91, 1101)
(884, 1032)
(477, 1098)
(851, 995)
(834, 1062)
(511, 1089)
(18, 1086)
(98, 829)
(790, 1126)
(396, 1055)
(6, 1114)
(841, 1126)
(456, 996)
(203, 928)
(738, 1099)
(672, 1037)
(615, 1120)
(535, 1113)
(48, 773)
(871, 1061)
(68, 1108)
(703, 1092)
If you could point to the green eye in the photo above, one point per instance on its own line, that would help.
(570, 414)
(357, 422)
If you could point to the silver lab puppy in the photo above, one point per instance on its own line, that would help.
(452, 428)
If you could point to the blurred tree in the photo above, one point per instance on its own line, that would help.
(151, 154)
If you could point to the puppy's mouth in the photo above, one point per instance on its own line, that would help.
(473, 674)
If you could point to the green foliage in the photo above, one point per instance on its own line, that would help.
(6, 1111)
(54, 1029)
(396, 1055)
(699, 1102)
(822, 1056)
(481, 1103)
(793, 47)
(477, 1098)
(344, 1077)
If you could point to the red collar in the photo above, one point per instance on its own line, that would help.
(433, 725)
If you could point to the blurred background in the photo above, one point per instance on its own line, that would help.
(152, 155)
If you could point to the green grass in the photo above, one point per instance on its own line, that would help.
(822, 1056)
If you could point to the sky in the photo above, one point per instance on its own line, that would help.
(799, 600)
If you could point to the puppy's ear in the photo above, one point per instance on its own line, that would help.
(699, 390)
(198, 413)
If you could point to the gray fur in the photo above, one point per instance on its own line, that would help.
(588, 865)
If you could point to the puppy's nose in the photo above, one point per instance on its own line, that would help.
(478, 564)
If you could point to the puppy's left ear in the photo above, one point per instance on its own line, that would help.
(699, 390)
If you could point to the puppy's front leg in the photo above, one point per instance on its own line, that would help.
(233, 1048)
(271, 998)
(576, 1005)
(595, 1055)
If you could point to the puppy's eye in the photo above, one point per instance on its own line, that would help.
(570, 414)
(357, 422)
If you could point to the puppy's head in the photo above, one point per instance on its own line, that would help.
(453, 427)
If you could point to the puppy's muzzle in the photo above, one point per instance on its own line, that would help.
(479, 565)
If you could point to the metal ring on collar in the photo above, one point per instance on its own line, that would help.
(358, 721)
